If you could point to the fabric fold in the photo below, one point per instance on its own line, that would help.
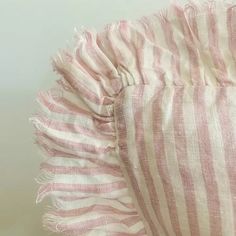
(102, 175)
(75, 128)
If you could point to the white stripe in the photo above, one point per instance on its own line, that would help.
(69, 205)
(194, 162)
(219, 162)
(172, 162)
(165, 61)
(73, 137)
(205, 56)
(85, 179)
(178, 37)
(148, 139)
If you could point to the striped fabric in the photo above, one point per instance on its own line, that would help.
(139, 133)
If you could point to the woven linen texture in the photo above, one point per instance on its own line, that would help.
(139, 133)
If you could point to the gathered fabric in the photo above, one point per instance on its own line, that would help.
(139, 132)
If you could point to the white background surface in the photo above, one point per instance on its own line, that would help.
(30, 33)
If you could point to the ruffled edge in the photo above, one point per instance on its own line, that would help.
(75, 129)
(88, 89)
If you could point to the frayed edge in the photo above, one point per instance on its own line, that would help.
(64, 85)
(193, 8)
(82, 34)
(53, 223)
(44, 178)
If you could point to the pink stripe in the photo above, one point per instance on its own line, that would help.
(136, 47)
(131, 220)
(221, 72)
(206, 161)
(50, 152)
(81, 147)
(58, 105)
(46, 189)
(229, 142)
(157, 53)
(103, 127)
(90, 171)
(179, 130)
(92, 49)
(182, 156)
(62, 106)
(158, 144)
(191, 47)
(231, 25)
(145, 23)
(72, 128)
(95, 208)
(175, 59)
(123, 153)
(103, 63)
(142, 153)
(85, 67)
(112, 48)
(140, 233)
(64, 85)
(111, 233)
(156, 65)
(55, 153)
(86, 188)
(76, 109)
(47, 101)
(54, 148)
(193, 25)
(86, 226)
(75, 198)
(79, 87)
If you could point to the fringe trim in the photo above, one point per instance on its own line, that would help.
(192, 9)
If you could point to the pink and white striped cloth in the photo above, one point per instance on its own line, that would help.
(140, 130)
